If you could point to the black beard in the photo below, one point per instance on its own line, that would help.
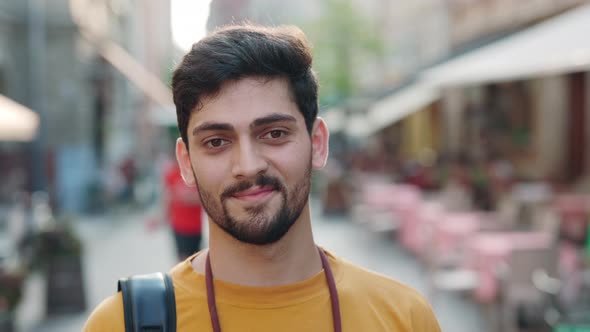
(258, 228)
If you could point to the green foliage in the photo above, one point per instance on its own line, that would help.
(57, 242)
(340, 38)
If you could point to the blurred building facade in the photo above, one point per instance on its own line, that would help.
(41, 69)
(268, 12)
(435, 31)
(521, 108)
(473, 20)
(92, 117)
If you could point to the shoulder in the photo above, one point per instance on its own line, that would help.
(107, 316)
(391, 296)
(357, 277)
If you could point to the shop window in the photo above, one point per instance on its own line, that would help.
(509, 118)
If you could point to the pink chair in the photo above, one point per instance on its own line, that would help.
(373, 206)
(450, 234)
(406, 202)
(429, 214)
(384, 206)
(446, 253)
(488, 253)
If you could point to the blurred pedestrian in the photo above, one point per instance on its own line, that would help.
(247, 101)
(183, 211)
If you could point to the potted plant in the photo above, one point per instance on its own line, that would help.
(60, 256)
(11, 284)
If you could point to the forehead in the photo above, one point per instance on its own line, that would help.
(245, 100)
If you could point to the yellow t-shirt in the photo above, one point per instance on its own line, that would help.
(368, 302)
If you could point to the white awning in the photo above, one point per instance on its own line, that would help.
(397, 106)
(17, 123)
(84, 14)
(358, 126)
(556, 46)
(385, 112)
(136, 73)
(392, 108)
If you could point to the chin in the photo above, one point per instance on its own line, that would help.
(261, 229)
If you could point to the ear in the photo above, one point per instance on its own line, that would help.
(320, 137)
(184, 162)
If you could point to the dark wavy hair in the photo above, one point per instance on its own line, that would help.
(240, 51)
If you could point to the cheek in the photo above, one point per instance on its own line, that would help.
(210, 174)
(292, 162)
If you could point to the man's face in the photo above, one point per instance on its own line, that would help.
(251, 157)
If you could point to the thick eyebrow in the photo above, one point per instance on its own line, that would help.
(207, 126)
(276, 117)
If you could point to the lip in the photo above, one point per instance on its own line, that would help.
(254, 194)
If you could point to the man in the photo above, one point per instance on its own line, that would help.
(246, 101)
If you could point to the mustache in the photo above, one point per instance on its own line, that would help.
(260, 180)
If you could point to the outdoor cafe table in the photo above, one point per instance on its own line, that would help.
(453, 230)
(487, 251)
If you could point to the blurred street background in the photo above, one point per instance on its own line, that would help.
(459, 149)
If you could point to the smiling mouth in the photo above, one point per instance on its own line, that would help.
(254, 194)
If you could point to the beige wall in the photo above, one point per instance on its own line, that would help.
(551, 106)
(417, 134)
(475, 19)
(452, 107)
(415, 33)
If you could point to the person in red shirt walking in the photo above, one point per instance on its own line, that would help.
(183, 211)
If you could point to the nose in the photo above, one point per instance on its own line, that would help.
(248, 161)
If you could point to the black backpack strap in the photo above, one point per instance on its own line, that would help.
(149, 303)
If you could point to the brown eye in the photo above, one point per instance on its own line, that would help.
(276, 133)
(216, 143)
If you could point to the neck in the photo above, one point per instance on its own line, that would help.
(292, 259)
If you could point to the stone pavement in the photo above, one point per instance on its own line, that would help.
(123, 245)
